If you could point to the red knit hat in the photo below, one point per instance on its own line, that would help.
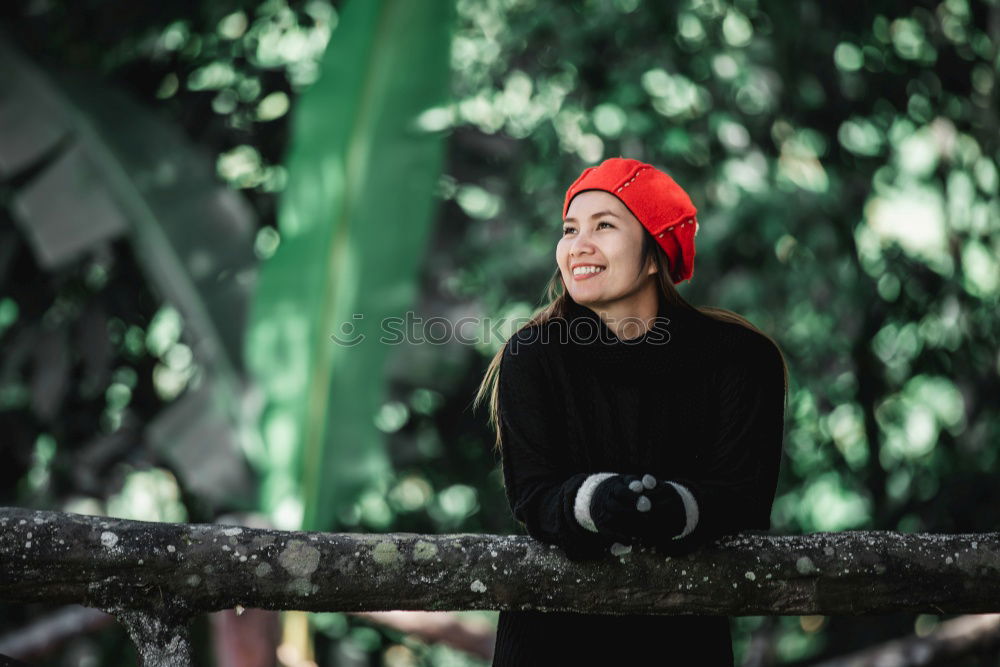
(661, 205)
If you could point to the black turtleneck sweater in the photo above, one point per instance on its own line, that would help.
(693, 400)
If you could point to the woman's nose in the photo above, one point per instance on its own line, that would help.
(581, 244)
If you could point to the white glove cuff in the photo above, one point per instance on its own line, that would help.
(581, 504)
(690, 509)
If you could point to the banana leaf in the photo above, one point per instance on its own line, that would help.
(89, 165)
(354, 221)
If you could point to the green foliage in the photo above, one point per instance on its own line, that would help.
(86, 166)
(353, 223)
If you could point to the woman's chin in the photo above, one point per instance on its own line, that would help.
(585, 299)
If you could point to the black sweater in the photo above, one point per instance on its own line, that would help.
(693, 400)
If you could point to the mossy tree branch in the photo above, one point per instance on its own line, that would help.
(154, 576)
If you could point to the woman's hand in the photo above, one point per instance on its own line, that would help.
(633, 508)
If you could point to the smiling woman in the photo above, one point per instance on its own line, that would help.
(600, 264)
(664, 431)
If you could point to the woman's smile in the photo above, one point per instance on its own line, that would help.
(586, 271)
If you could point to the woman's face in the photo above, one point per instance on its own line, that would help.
(599, 231)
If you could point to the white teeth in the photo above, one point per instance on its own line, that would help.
(587, 269)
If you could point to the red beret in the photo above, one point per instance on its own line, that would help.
(661, 205)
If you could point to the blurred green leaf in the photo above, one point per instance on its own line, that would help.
(94, 165)
(353, 223)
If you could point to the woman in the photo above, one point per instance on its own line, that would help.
(628, 417)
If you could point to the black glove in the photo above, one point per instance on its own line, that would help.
(637, 509)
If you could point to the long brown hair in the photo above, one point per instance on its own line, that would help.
(556, 307)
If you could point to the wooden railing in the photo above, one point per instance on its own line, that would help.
(154, 577)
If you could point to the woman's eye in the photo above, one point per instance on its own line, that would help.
(567, 230)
